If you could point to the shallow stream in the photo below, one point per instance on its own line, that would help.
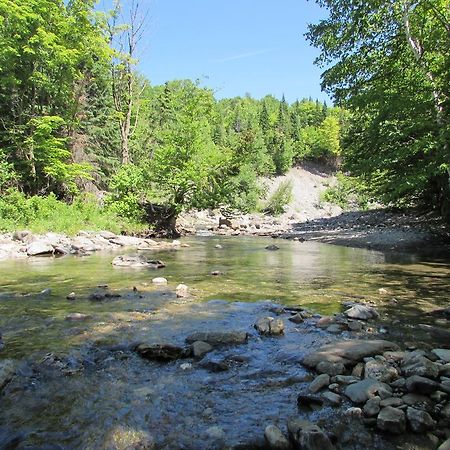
(78, 385)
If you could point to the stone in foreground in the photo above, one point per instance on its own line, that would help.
(275, 438)
(392, 420)
(308, 436)
(419, 421)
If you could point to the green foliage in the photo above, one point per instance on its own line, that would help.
(42, 214)
(348, 193)
(388, 63)
(126, 196)
(280, 198)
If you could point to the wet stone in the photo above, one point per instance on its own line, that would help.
(391, 420)
(296, 318)
(380, 370)
(331, 398)
(361, 312)
(319, 383)
(218, 337)
(270, 326)
(77, 317)
(330, 368)
(307, 435)
(395, 402)
(275, 439)
(162, 352)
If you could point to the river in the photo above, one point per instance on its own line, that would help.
(79, 386)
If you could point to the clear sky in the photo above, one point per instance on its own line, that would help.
(234, 46)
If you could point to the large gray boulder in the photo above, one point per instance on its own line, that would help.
(422, 385)
(38, 248)
(361, 391)
(416, 363)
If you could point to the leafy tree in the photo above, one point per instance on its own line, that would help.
(390, 67)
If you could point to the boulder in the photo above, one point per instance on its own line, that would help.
(319, 382)
(162, 352)
(361, 312)
(419, 421)
(200, 348)
(126, 241)
(85, 245)
(391, 420)
(37, 248)
(361, 391)
(392, 401)
(136, 261)
(421, 385)
(159, 280)
(269, 326)
(308, 436)
(71, 296)
(7, 371)
(272, 247)
(445, 445)
(275, 438)
(296, 318)
(219, 337)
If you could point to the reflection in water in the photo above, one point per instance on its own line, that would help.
(85, 396)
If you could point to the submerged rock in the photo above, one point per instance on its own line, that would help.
(272, 247)
(218, 337)
(200, 348)
(77, 316)
(159, 280)
(137, 261)
(269, 326)
(162, 352)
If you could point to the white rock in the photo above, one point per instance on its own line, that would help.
(159, 280)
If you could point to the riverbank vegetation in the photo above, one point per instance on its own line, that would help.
(77, 117)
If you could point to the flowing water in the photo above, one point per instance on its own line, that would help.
(78, 384)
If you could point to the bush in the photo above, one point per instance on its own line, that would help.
(348, 192)
(43, 214)
(279, 199)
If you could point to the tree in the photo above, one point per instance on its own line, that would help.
(124, 40)
(390, 65)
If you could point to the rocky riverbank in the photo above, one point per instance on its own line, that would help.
(378, 229)
(23, 244)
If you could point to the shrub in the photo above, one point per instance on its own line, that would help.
(348, 192)
(280, 198)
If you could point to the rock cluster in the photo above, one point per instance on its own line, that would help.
(394, 390)
(22, 244)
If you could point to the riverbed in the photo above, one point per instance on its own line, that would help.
(78, 384)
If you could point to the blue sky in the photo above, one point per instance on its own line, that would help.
(235, 47)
